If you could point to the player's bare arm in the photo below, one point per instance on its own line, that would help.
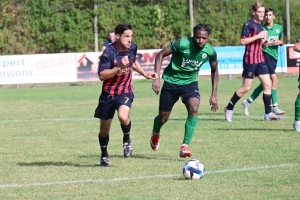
(297, 47)
(137, 67)
(108, 73)
(214, 80)
(157, 67)
(261, 35)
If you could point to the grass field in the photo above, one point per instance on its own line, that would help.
(49, 147)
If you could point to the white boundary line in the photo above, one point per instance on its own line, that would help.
(38, 184)
(134, 118)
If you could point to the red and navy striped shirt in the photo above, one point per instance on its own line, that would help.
(121, 83)
(253, 51)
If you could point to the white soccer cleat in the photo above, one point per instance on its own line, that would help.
(246, 105)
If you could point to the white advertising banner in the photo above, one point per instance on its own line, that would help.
(39, 68)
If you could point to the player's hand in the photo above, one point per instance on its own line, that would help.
(124, 62)
(276, 42)
(151, 76)
(213, 104)
(263, 34)
(156, 86)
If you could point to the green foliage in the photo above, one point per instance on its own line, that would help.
(54, 26)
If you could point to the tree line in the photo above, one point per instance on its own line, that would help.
(62, 26)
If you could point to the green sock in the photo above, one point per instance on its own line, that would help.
(255, 93)
(297, 109)
(190, 126)
(274, 97)
(156, 125)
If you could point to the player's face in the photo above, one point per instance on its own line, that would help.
(259, 14)
(125, 38)
(201, 38)
(269, 16)
(112, 37)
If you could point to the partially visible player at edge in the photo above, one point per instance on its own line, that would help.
(297, 102)
(270, 52)
(253, 63)
(115, 70)
(180, 80)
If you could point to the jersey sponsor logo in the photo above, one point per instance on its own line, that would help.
(185, 51)
(186, 63)
(204, 56)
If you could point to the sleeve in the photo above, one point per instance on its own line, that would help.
(213, 57)
(281, 35)
(105, 61)
(298, 38)
(245, 30)
(174, 46)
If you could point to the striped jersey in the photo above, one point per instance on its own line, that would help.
(187, 60)
(253, 51)
(121, 83)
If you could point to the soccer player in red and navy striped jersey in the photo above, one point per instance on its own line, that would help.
(115, 70)
(253, 36)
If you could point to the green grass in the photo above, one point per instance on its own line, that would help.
(49, 147)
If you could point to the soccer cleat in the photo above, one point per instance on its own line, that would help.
(104, 161)
(246, 105)
(271, 116)
(154, 141)
(228, 114)
(184, 151)
(296, 125)
(278, 111)
(127, 150)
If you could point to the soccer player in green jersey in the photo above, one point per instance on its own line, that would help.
(270, 52)
(180, 81)
(297, 102)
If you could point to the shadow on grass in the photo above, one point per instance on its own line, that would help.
(57, 164)
(97, 157)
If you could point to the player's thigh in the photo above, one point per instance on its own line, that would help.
(191, 97)
(266, 82)
(169, 95)
(124, 104)
(271, 62)
(106, 108)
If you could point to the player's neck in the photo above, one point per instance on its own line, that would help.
(120, 47)
(256, 20)
(270, 25)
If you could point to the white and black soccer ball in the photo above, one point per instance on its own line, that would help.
(193, 169)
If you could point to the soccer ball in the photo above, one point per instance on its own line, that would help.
(193, 169)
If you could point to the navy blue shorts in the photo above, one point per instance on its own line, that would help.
(170, 94)
(271, 63)
(251, 70)
(108, 105)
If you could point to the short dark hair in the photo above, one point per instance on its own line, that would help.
(269, 10)
(202, 27)
(120, 28)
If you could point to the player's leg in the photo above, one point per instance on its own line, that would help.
(265, 79)
(103, 138)
(246, 103)
(105, 112)
(124, 105)
(248, 74)
(296, 124)
(271, 63)
(191, 98)
(169, 95)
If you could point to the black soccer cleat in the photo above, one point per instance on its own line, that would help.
(104, 161)
(127, 150)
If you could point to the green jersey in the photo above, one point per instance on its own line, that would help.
(276, 32)
(187, 60)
